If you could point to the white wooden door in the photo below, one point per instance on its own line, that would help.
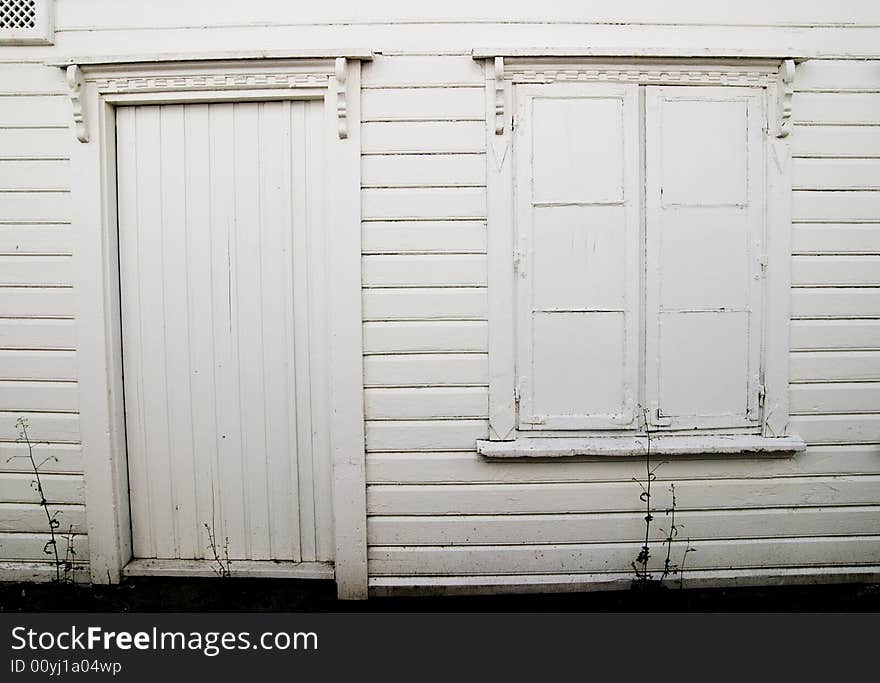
(221, 261)
(704, 185)
(577, 212)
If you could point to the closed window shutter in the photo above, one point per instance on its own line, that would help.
(705, 185)
(577, 194)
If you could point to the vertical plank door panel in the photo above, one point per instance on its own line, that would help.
(221, 253)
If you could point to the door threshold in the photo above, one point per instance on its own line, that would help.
(264, 569)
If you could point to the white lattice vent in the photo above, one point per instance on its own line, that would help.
(25, 21)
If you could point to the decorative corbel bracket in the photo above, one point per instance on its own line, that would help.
(74, 79)
(341, 101)
(498, 76)
(784, 95)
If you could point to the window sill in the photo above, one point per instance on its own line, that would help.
(635, 446)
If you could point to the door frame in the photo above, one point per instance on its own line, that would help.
(96, 87)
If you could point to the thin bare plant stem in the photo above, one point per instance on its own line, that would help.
(50, 519)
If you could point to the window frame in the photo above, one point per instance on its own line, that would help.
(502, 75)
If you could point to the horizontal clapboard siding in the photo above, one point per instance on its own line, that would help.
(423, 170)
(31, 546)
(825, 238)
(835, 366)
(620, 496)
(56, 458)
(467, 270)
(436, 508)
(35, 239)
(48, 175)
(38, 366)
(447, 530)
(614, 557)
(390, 237)
(468, 467)
(426, 336)
(31, 517)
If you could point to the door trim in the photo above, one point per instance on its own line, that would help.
(95, 90)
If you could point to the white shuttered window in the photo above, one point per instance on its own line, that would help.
(639, 218)
(704, 220)
(578, 218)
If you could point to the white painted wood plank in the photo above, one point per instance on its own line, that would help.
(203, 507)
(836, 174)
(35, 270)
(836, 238)
(44, 207)
(36, 333)
(416, 203)
(296, 329)
(835, 334)
(459, 303)
(424, 336)
(176, 259)
(31, 79)
(39, 571)
(468, 530)
(619, 496)
(42, 365)
(31, 517)
(434, 70)
(55, 458)
(49, 427)
(426, 369)
(447, 104)
(278, 569)
(424, 236)
(426, 403)
(619, 556)
(42, 110)
(470, 468)
(425, 435)
(424, 271)
(828, 41)
(837, 397)
(94, 13)
(835, 366)
(836, 302)
(835, 141)
(31, 546)
(418, 137)
(38, 396)
(34, 143)
(835, 206)
(423, 170)
(35, 239)
(58, 488)
(836, 107)
(248, 264)
(276, 150)
(830, 429)
(46, 174)
(835, 270)
(837, 75)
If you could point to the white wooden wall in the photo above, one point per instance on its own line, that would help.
(440, 515)
(37, 333)
(435, 508)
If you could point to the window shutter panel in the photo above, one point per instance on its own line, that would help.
(705, 185)
(577, 194)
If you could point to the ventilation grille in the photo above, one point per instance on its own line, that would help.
(26, 22)
(18, 14)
